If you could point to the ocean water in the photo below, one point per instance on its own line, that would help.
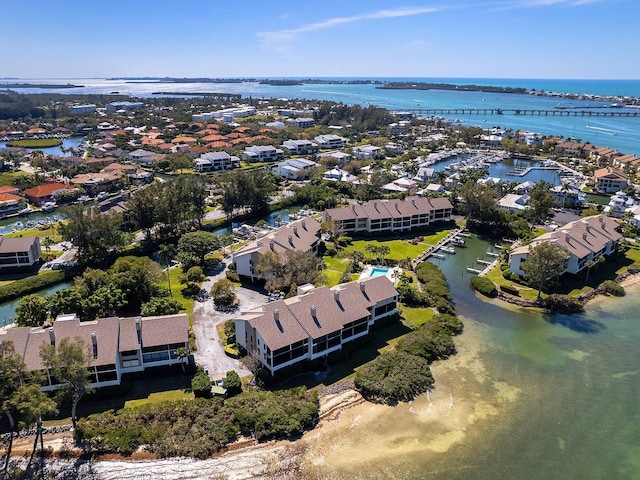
(621, 133)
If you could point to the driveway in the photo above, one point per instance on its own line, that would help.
(205, 320)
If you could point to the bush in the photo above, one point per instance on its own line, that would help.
(212, 260)
(27, 285)
(201, 385)
(634, 269)
(394, 376)
(430, 341)
(484, 286)
(450, 323)
(612, 288)
(232, 383)
(233, 276)
(562, 304)
(330, 252)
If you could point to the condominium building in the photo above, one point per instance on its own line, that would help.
(390, 215)
(316, 323)
(118, 345)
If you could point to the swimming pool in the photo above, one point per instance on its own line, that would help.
(379, 272)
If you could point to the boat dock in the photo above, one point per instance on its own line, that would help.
(433, 249)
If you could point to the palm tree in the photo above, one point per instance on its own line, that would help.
(166, 252)
(47, 242)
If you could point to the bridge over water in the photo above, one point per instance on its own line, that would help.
(541, 113)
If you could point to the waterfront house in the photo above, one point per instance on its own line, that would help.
(514, 203)
(586, 239)
(425, 174)
(610, 180)
(46, 193)
(378, 216)
(315, 323)
(301, 236)
(11, 204)
(118, 345)
(20, 253)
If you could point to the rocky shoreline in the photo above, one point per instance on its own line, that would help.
(624, 279)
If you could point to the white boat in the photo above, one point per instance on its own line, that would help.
(48, 206)
(25, 211)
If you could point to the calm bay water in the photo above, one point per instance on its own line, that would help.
(528, 396)
(621, 133)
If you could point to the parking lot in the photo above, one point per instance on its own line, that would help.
(206, 318)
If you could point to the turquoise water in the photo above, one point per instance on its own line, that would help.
(615, 132)
(379, 272)
(528, 396)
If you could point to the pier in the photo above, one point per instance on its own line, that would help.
(433, 249)
(566, 112)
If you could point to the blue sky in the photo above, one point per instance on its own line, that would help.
(257, 38)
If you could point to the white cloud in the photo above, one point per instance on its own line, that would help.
(279, 37)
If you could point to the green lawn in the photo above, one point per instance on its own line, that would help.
(415, 317)
(176, 290)
(158, 397)
(400, 247)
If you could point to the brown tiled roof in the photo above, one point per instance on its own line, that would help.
(296, 236)
(46, 189)
(333, 310)
(8, 197)
(377, 209)
(9, 189)
(278, 329)
(580, 237)
(17, 244)
(18, 336)
(128, 335)
(165, 330)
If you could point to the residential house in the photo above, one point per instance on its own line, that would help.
(117, 106)
(80, 109)
(619, 203)
(118, 345)
(401, 185)
(314, 324)
(425, 174)
(300, 236)
(568, 195)
(399, 128)
(300, 147)
(295, 168)
(514, 203)
(19, 253)
(610, 180)
(300, 122)
(46, 193)
(330, 142)
(11, 204)
(336, 174)
(215, 161)
(390, 215)
(392, 148)
(262, 153)
(94, 183)
(368, 152)
(584, 240)
(336, 157)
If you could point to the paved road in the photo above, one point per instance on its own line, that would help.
(205, 319)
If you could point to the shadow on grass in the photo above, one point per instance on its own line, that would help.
(345, 365)
(576, 322)
(133, 387)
